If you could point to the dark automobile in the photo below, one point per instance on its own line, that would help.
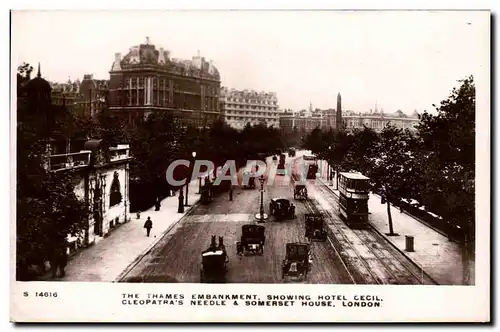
(252, 240)
(206, 194)
(281, 209)
(275, 158)
(315, 227)
(300, 191)
(214, 263)
(291, 152)
(311, 171)
(281, 163)
(248, 181)
(297, 262)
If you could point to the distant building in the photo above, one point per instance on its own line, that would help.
(378, 120)
(306, 121)
(247, 106)
(87, 97)
(148, 80)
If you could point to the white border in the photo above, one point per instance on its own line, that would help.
(453, 303)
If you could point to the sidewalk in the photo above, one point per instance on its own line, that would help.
(105, 260)
(434, 253)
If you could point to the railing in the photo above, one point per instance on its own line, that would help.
(66, 161)
(120, 152)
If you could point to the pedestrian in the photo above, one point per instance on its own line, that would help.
(138, 214)
(58, 258)
(292, 207)
(148, 225)
(231, 193)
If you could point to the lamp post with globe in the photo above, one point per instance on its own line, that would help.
(261, 216)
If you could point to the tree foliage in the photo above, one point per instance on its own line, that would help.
(435, 165)
(47, 208)
(448, 147)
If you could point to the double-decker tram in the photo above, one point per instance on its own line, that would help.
(353, 200)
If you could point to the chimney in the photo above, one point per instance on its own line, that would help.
(161, 55)
(116, 64)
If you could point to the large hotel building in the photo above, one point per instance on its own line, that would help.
(243, 107)
(148, 80)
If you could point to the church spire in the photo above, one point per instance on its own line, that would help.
(39, 74)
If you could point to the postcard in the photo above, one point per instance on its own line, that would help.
(250, 166)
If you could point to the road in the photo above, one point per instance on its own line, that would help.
(177, 256)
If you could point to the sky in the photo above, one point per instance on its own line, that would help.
(397, 60)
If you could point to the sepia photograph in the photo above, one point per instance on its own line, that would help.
(254, 160)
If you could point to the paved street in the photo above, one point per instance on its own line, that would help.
(173, 252)
(109, 257)
(177, 256)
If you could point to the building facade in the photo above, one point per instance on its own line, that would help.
(86, 97)
(379, 120)
(242, 107)
(148, 80)
(102, 181)
(305, 121)
(100, 176)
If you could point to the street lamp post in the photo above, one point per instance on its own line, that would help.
(261, 216)
(329, 168)
(189, 180)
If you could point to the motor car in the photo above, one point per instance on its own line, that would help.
(281, 208)
(315, 227)
(281, 163)
(206, 194)
(248, 181)
(297, 262)
(252, 240)
(300, 191)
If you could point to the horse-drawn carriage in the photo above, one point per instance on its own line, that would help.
(297, 262)
(315, 227)
(281, 208)
(214, 262)
(252, 240)
(300, 191)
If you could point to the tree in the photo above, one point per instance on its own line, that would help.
(391, 167)
(361, 151)
(47, 208)
(447, 141)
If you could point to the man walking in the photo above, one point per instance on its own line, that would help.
(148, 225)
(58, 257)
